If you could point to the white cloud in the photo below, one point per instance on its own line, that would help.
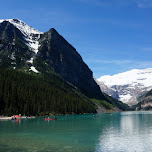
(110, 67)
(99, 3)
(147, 49)
(110, 61)
(127, 64)
(118, 3)
(144, 3)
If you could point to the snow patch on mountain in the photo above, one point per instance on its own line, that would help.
(12, 56)
(31, 60)
(125, 97)
(34, 69)
(127, 85)
(34, 44)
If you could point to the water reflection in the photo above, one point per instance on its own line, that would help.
(17, 121)
(131, 132)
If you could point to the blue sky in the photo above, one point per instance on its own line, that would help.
(112, 36)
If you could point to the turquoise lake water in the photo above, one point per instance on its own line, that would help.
(119, 132)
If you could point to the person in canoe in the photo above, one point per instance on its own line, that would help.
(51, 118)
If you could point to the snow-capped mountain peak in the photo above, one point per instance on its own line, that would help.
(23, 27)
(131, 77)
(31, 35)
(127, 85)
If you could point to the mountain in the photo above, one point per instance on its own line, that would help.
(54, 53)
(47, 55)
(57, 54)
(145, 102)
(127, 86)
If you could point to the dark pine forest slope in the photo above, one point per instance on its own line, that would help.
(34, 94)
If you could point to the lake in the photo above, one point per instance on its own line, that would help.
(116, 132)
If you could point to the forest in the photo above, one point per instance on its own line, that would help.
(35, 94)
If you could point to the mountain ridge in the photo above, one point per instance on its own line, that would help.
(127, 86)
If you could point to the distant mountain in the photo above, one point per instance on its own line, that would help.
(145, 102)
(127, 86)
(26, 49)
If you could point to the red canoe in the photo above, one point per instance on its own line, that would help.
(50, 118)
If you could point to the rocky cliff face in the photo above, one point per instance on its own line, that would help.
(110, 91)
(145, 101)
(13, 49)
(57, 54)
(18, 44)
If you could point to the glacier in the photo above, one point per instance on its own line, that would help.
(127, 86)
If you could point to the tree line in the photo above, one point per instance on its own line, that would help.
(32, 94)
